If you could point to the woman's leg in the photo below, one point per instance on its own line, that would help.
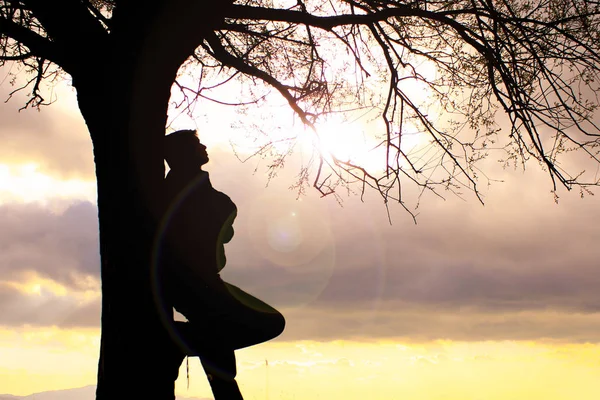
(230, 318)
(251, 322)
(220, 324)
(220, 370)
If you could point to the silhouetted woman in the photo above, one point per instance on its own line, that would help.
(222, 317)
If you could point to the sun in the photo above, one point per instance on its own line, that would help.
(349, 142)
(361, 143)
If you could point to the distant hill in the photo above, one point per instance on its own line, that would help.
(83, 393)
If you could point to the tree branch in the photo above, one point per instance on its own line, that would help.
(220, 53)
(37, 44)
(20, 57)
(68, 23)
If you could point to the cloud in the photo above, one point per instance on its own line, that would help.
(518, 268)
(59, 246)
(506, 256)
(47, 309)
(39, 246)
(521, 267)
(409, 323)
(55, 137)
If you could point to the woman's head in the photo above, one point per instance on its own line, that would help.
(184, 150)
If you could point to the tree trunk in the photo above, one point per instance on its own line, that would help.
(123, 95)
(134, 344)
(126, 114)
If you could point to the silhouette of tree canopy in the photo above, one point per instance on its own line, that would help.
(536, 61)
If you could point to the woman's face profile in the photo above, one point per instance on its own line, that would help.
(200, 154)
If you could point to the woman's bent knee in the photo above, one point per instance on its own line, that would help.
(277, 324)
(281, 324)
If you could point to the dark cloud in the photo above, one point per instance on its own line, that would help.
(59, 246)
(409, 323)
(475, 287)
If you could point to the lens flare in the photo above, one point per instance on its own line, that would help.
(284, 234)
(295, 237)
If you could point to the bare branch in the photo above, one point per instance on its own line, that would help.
(37, 44)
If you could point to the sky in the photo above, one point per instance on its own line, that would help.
(474, 302)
